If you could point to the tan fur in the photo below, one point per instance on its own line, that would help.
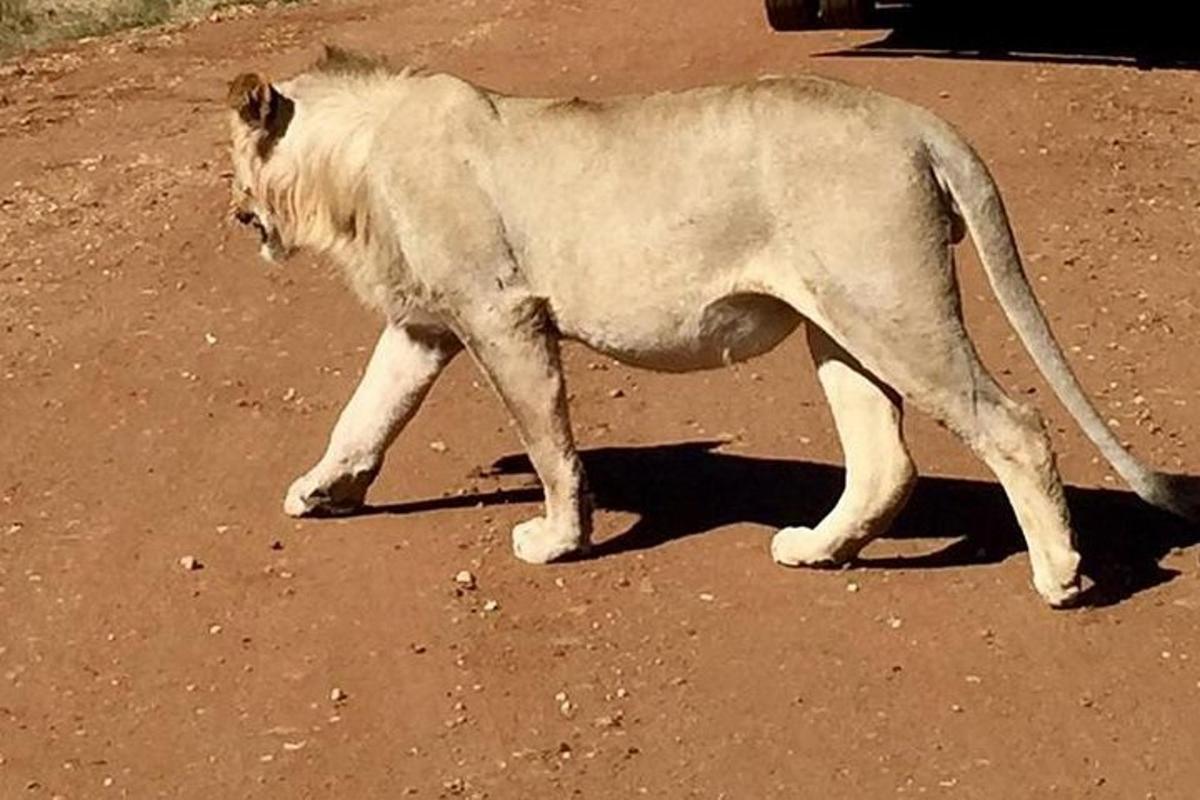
(677, 231)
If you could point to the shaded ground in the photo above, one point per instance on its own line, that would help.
(159, 388)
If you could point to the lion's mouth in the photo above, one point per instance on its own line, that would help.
(250, 219)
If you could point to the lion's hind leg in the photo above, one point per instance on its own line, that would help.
(879, 471)
(922, 351)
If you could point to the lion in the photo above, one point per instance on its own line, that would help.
(676, 231)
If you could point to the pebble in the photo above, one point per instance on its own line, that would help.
(337, 695)
(617, 393)
(851, 587)
(491, 605)
(609, 720)
(706, 597)
(190, 563)
(438, 447)
(465, 579)
(214, 629)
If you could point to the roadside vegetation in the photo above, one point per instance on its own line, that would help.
(27, 24)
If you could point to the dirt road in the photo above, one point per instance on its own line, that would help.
(159, 389)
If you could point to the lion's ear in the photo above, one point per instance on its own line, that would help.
(259, 104)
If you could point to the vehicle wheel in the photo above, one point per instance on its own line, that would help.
(845, 13)
(792, 15)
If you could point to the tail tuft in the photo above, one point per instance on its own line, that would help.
(1179, 494)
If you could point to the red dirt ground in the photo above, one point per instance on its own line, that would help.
(694, 667)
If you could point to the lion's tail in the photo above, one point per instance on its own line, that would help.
(973, 191)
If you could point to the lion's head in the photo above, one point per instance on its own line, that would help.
(260, 119)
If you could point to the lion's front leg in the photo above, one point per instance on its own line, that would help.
(406, 360)
(518, 350)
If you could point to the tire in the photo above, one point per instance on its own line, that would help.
(792, 15)
(845, 13)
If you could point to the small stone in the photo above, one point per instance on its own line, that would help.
(622, 693)
(491, 605)
(851, 587)
(208, 337)
(290, 394)
(956, 708)
(706, 597)
(214, 629)
(609, 720)
(418, 648)
(894, 622)
(566, 708)
(465, 579)
(294, 746)
(617, 393)
(337, 695)
(190, 563)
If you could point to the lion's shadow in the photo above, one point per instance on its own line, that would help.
(683, 489)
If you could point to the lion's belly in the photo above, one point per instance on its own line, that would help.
(680, 339)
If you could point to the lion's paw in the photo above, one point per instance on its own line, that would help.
(1059, 584)
(310, 497)
(535, 542)
(804, 547)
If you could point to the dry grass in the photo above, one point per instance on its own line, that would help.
(26, 24)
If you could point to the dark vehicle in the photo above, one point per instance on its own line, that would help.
(1151, 32)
